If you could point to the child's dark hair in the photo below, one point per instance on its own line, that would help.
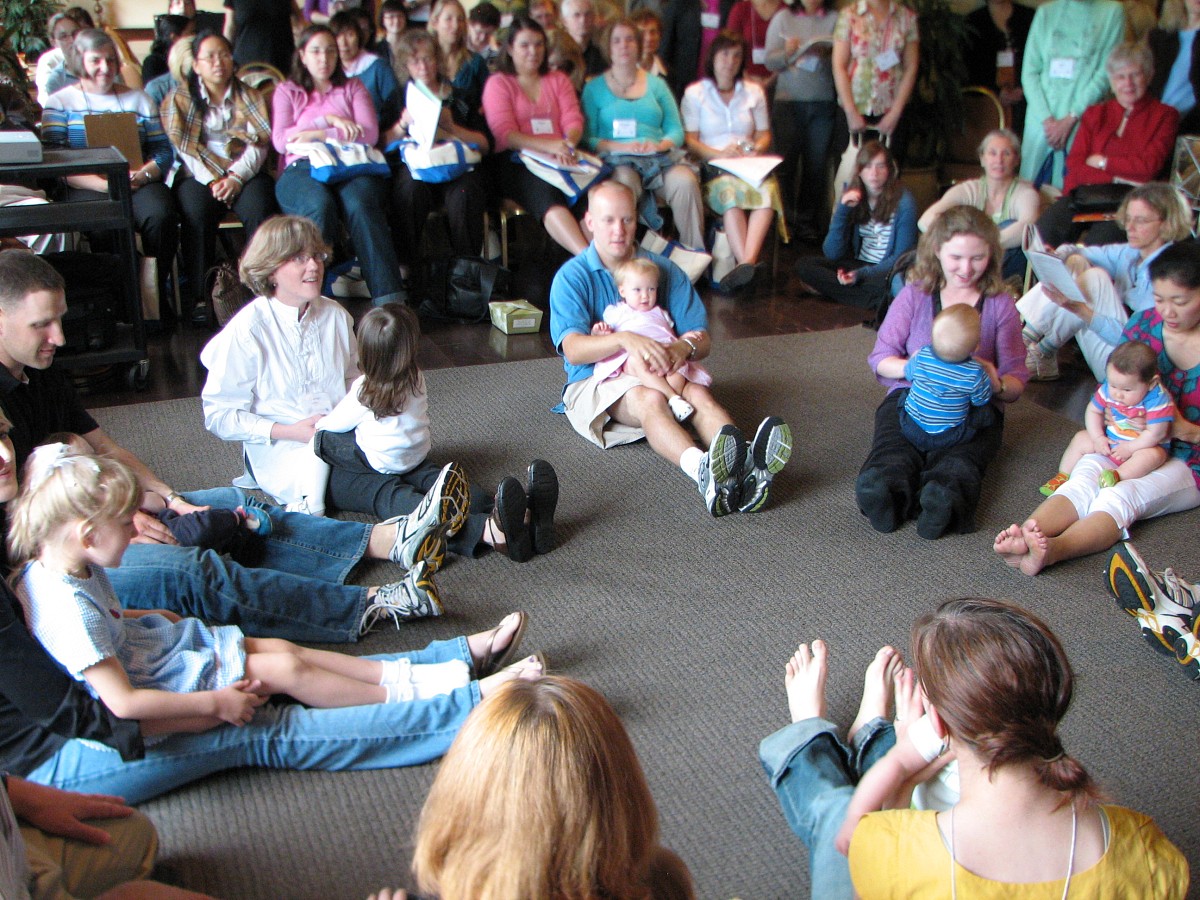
(1180, 263)
(484, 14)
(1136, 359)
(1001, 683)
(387, 354)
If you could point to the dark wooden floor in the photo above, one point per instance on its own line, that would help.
(778, 308)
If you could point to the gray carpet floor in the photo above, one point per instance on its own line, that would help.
(685, 622)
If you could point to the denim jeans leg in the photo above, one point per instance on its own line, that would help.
(280, 736)
(300, 195)
(263, 602)
(810, 771)
(362, 202)
(818, 118)
(303, 545)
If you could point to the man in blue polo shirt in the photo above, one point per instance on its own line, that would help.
(732, 476)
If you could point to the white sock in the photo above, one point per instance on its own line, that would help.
(422, 681)
(689, 461)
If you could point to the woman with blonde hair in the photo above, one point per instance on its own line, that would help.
(542, 796)
(1114, 280)
(466, 71)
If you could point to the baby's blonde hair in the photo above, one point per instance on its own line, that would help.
(955, 332)
(639, 265)
(63, 486)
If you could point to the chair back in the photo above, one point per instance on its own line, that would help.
(982, 112)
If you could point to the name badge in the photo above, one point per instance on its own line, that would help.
(888, 59)
(1062, 67)
(758, 56)
(1006, 59)
(542, 126)
(624, 128)
(506, 20)
(809, 62)
(710, 20)
(317, 403)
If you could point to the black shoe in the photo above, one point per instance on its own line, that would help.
(876, 502)
(508, 517)
(542, 489)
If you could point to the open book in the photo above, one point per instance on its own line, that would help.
(1048, 267)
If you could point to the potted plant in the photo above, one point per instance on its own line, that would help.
(23, 37)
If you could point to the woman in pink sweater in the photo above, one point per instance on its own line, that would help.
(528, 107)
(319, 103)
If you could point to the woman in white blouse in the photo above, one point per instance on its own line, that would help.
(282, 362)
(725, 116)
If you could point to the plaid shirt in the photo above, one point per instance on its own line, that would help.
(249, 126)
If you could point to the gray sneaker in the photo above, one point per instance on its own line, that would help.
(421, 535)
(721, 471)
(416, 597)
(769, 452)
(1041, 366)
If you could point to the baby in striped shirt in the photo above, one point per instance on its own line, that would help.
(949, 392)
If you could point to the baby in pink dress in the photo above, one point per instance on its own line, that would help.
(638, 311)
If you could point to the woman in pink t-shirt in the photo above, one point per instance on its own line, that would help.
(529, 107)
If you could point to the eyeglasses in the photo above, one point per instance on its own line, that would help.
(1139, 221)
(301, 259)
(215, 57)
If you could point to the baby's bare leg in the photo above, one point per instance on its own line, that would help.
(637, 367)
(1142, 462)
(1081, 445)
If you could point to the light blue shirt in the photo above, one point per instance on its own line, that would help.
(1131, 277)
(1178, 90)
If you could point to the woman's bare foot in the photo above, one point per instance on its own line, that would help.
(1010, 544)
(531, 668)
(877, 688)
(910, 700)
(805, 681)
(488, 648)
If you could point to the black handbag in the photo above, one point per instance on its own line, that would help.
(1098, 198)
(459, 289)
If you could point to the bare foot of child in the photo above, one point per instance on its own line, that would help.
(1038, 544)
(1010, 544)
(910, 700)
(877, 688)
(531, 668)
(805, 681)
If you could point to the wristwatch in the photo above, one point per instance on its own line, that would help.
(172, 497)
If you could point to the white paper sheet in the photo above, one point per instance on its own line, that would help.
(752, 169)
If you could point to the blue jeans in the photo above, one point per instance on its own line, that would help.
(359, 202)
(280, 736)
(296, 592)
(813, 774)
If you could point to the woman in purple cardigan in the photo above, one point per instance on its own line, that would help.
(958, 261)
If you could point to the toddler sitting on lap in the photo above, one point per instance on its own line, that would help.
(638, 311)
(949, 392)
(1128, 421)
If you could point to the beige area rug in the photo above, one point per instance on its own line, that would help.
(685, 623)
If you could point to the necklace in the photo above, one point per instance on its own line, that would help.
(954, 862)
(619, 85)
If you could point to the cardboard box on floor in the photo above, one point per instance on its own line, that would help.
(515, 316)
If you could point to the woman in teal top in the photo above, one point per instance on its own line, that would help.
(1063, 74)
(633, 121)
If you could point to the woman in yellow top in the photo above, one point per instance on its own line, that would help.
(1026, 824)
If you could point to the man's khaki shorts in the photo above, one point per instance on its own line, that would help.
(588, 403)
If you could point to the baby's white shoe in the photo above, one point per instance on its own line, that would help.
(681, 409)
